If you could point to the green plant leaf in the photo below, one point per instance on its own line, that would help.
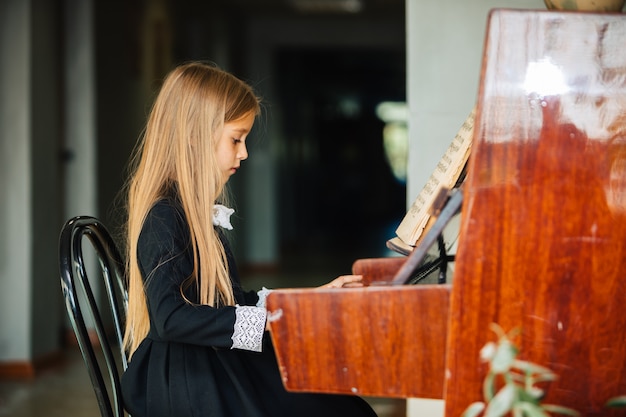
(546, 378)
(474, 409)
(532, 395)
(488, 386)
(532, 368)
(502, 402)
(552, 408)
(503, 358)
(531, 410)
(617, 402)
(488, 351)
(495, 327)
(518, 378)
(519, 395)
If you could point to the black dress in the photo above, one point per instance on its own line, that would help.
(186, 366)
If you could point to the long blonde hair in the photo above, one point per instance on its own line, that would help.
(178, 149)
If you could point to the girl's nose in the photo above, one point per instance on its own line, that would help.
(242, 152)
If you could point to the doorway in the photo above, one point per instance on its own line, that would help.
(339, 198)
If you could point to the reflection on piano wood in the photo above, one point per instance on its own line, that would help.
(542, 242)
(344, 341)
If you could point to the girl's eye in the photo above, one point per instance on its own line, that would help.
(236, 141)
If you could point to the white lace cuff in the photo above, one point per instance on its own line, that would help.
(249, 328)
(263, 293)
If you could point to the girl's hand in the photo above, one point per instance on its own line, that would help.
(345, 281)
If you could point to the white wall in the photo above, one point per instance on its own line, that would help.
(43, 213)
(80, 117)
(15, 255)
(31, 191)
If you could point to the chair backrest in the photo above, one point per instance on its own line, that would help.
(79, 296)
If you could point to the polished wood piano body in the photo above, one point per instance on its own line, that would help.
(542, 245)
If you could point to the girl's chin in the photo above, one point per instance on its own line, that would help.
(226, 177)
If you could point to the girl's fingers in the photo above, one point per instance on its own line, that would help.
(345, 281)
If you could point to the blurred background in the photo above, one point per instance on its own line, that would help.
(319, 190)
(360, 100)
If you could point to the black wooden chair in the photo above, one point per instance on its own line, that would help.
(79, 298)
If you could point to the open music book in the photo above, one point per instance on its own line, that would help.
(449, 173)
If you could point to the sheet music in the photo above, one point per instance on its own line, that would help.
(445, 175)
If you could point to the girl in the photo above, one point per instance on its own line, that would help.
(197, 341)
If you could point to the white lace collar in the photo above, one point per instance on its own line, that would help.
(221, 216)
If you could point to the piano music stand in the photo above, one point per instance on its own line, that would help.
(420, 263)
(435, 234)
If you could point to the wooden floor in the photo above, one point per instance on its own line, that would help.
(65, 390)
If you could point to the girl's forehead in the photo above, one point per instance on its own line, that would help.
(243, 123)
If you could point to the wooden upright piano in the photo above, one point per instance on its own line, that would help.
(542, 245)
